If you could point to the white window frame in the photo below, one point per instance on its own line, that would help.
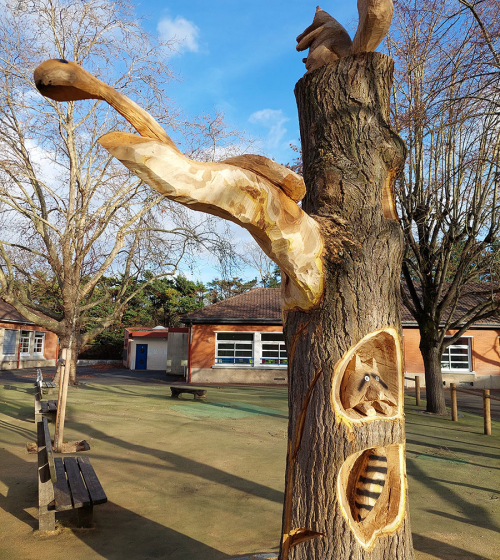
(25, 336)
(40, 335)
(222, 361)
(449, 352)
(282, 354)
(257, 351)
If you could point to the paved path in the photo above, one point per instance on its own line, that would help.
(104, 373)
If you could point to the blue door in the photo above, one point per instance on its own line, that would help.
(141, 356)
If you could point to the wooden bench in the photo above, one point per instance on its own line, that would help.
(198, 393)
(64, 484)
(42, 407)
(43, 384)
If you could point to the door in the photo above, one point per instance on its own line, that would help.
(141, 356)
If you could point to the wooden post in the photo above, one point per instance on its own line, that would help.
(487, 412)
(454, 409)
(61, 402)
(417, 389)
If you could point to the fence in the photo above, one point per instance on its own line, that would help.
(417, 387)
(485, 393)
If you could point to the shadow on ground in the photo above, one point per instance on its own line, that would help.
(472, 513)
(133, 536)
(181, 464)
(441, 550)
(19, 496)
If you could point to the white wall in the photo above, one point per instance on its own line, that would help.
(177, 353)
(157, 352)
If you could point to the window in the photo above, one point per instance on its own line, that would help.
(273, 349)
(39, 342)
(457, 357)
(25, 342)
(9, 342)
(234, 348)
(251, 349)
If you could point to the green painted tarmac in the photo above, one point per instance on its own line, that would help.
(203, 480)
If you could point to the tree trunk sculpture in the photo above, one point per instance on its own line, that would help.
(340, 257)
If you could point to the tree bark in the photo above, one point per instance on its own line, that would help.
(351, 158)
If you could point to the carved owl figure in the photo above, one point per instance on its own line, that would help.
(366, 392)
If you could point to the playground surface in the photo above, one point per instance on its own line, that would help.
(189, 480)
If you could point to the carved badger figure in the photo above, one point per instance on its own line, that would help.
(365, 391)
(370, 482)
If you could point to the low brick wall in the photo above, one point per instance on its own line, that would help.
(30, 363)
(247, 375)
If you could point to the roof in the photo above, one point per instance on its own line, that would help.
(156, 332)
(263, 306)
(476, 293)
(9, 314)
(260, 306)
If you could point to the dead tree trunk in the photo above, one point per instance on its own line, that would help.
(351, 158)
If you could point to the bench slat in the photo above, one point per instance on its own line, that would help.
(78, 491)
(48, 447)
(48, 406)
(94, 487)
(62, 494)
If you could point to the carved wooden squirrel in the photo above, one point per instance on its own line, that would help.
(327, 40)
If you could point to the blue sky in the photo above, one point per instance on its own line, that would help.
(240, 57)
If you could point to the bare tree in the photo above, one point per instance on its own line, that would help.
(68, 211)
(445, 106)
(208, 138)
(256, 259)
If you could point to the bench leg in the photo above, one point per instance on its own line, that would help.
(85, 515)
(199, 397)
(46, 512)
(46, 519)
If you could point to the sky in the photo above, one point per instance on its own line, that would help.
(240, 58)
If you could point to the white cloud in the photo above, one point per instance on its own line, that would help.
(43, 160)
(274, 120)
(180, 30)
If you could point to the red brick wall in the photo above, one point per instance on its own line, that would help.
(485, 351)
(50, 352)
(50, 346)
(203, 345)
(485, 347)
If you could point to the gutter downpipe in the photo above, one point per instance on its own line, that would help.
(190, 343)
